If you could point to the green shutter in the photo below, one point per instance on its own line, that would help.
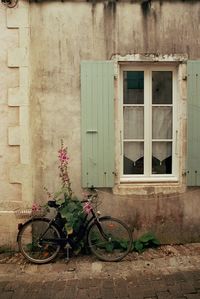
(97, 113)
(193, 141)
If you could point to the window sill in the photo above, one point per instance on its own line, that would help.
(149, 188)
(142, 179)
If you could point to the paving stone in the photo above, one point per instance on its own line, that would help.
(174, 278)
(193, 296)
(196, 284)
(95, 282)
(107, 293)
(187, 288)
(69, 282)
(6, 295)
(11, 286)
(81, 294)
(3, 285)
(108, 283)
(160, 286)
(95, 293)
(83, 283)
(135, 292)
(121, 288)
(164, 295)
(175, 290)
(149, 292)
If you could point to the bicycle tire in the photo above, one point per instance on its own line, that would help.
(28, 241)
(114, 243)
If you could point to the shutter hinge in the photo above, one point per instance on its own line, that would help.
(184, 78)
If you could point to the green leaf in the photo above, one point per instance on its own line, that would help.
(155, 242)
(147, 237)
(109, 247)
(138, 246)
(60, 201)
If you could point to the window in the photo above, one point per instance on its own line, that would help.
(149, 123)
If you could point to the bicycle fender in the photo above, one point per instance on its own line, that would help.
(105, 217)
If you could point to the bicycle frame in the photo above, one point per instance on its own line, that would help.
(74, 239)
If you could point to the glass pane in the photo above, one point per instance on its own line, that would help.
(133, 87)
(162, 122)
(162, 158)
(133, 122)
(162, 87)
(133, 157)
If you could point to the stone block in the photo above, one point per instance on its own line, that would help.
(17, 57)
(18, 96)
(14, 135)
(18, 173)
(17, 18)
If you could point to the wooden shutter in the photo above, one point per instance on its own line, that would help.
(193, 140)
(97, 110)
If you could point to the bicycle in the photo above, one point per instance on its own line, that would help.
(10, 3)
(41, 239)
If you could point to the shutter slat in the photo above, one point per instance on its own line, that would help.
(97, 106)
(193, 143)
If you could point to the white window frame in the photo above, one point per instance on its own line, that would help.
(148, 177)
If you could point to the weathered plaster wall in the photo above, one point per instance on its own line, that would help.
(63, 34)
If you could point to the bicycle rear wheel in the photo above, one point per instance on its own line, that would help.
(110, 239)
(37, 240)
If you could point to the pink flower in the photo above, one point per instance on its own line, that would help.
(87, 208)
(36, 207)
(63, 156)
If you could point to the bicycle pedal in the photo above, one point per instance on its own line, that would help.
(67, 246)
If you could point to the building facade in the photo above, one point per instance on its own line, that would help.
(118, 81)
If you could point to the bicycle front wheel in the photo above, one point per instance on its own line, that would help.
(110, 239)
(38, 240)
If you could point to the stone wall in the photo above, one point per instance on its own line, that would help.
(15, 184)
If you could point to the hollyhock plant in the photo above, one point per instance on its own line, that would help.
(63, 167)
(70, 207)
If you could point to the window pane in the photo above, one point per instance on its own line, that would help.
(162, 87)
(133, 87)
(162, 158)
(162, 122)
(133, 157)
(133, 122)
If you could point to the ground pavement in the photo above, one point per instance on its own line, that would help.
(166, 272)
